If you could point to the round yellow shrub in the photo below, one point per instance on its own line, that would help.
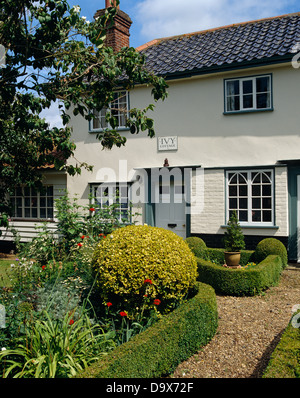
(135, 262)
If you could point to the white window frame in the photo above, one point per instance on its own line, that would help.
(254, 94)
(122, 115)
(251, 209)
(111, 188)
(28, 200)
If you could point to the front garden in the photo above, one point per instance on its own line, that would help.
(105, 297)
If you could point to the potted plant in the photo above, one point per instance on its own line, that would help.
(234, 241)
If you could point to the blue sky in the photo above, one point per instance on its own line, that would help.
(154, 19)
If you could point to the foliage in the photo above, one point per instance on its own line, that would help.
(269, 246)
(216, 255)
(244, 281)
(54, 348)
(197, 245)
(138, 260)
(157, 351)
(53, 53)
(233, 237)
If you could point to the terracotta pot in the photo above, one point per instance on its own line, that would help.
(232, 259)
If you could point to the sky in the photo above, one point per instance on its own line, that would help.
(154, 19)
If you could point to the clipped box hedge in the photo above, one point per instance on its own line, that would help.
(285, 359)
(158, 350)
(241, 282)
(217, 256)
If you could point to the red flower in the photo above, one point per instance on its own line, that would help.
(79, 244)
(109, 304)
(82, 237)
(148, 281)
(156, 302)
(71, 322)
(123, 313)
(92, 209)
(44, 267)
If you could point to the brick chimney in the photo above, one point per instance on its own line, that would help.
(117, 36)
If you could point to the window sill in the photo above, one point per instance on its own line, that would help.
(255, 226)
(101, 130)
(16, 219)
(247, 111)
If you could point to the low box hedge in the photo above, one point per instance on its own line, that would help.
(241, 282)
(285, 359)
(158, 350)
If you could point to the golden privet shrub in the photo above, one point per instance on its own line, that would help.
(138, 261)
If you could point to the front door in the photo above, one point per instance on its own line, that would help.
(170, 209)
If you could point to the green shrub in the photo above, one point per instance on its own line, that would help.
(271, 246)
(158, 350)
(234, 240)
(197, 245)
(134, 259)
(240, 282)
(285, 359)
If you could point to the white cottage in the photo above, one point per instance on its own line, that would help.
(227, 137)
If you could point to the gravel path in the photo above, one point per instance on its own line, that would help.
(249, 330)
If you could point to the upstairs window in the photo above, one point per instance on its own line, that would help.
(248, 94)
(118, 107)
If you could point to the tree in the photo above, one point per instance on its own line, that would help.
(52, 53)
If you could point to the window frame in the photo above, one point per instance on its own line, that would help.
(250, 197)
(111, 186)
(254, 93)
(39, 195)
(122, 127)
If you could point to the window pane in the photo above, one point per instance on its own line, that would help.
(243, 203)
(233, 190)
(243, 216)
(267, 216)
(49, 213)
(233, 103)
(232, 178)
(42, 212)
(256, 203)
(256, 216)
(34, 213)
(233, 87)
(247, 101)
(243, 190)
(256, 190)
(263, 101)
(266, 190)
(247, 87)
(27, 212)
(233, 203)
(262, 84)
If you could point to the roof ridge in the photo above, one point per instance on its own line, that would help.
(159, 40)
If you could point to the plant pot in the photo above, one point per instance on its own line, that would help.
(232, 259)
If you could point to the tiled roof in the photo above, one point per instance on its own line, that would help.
(271, 38)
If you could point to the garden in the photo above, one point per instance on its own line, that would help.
(104, 290)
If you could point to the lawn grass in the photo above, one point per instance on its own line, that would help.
(4, 272)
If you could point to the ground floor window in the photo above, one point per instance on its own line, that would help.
(27, 202)
(251, 194)
(115, 195)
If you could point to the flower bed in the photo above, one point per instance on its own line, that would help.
(158, 350)
(244, 281)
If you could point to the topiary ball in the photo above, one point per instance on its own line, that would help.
(139, 265)
(271, 246)
(197, 245)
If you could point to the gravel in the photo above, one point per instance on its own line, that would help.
(248, 332)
